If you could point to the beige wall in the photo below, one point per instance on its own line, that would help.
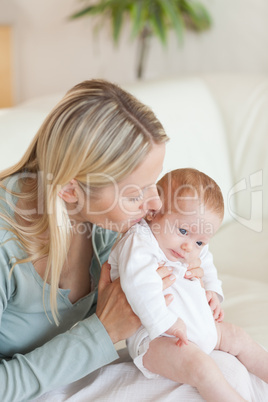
(6, 89)
(50, 54)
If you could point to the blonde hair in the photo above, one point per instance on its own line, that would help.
(95, 132)
(191, 182)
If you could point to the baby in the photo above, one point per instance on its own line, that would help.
(175, 341)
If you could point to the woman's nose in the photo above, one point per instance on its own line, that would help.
(152, 201)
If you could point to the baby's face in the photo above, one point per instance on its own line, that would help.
(182, 234)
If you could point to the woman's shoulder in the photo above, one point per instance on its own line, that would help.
(5, 231)
(9, 246)
(9, 188)
(8, 249)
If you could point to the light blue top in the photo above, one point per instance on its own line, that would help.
(36, 355)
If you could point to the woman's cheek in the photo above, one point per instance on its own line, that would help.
(129, 208)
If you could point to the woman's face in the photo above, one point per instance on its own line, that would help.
(118, 206)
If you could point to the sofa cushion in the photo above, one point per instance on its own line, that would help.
(241, 255)
(246, 305)
(250, 145)
(243, 101)
(19, 125)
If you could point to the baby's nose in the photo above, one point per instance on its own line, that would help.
(187, 246)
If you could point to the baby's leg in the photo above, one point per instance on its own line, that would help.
(188, 364)
(236, 341)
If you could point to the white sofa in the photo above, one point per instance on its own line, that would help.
(218, 124)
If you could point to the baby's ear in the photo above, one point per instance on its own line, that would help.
(69, 192)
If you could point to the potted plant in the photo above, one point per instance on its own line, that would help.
(149, 17)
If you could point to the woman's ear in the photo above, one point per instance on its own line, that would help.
(69, 192)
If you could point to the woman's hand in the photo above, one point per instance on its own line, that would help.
(168, 279)
(113, 310)
(194, 270)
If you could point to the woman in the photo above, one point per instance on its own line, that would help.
(92, 166)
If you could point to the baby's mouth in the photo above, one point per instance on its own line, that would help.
(177, 255)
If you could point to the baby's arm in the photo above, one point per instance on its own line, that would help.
(212, 284)
(215, 305)
(210, 278)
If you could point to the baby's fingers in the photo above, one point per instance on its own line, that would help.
(181, 342)
(214, 305)
(168, 278)
(221, 316)
(182, 338)
(169, 298)
(216, 312)
(208, 295)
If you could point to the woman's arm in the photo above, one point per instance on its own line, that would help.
(60, 361)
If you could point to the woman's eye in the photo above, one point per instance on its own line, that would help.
(199, 243)
(183, 231)
(136, 199)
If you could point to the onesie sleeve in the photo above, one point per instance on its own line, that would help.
(210, 278)
(137, 265)
(61, 361)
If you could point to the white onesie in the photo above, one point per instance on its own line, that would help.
(135, 258)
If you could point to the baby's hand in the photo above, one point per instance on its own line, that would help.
(179, 331)
(215, 305)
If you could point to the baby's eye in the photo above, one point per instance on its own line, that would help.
(199, 243)
(183, 231)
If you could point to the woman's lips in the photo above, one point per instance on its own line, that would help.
(137, 220)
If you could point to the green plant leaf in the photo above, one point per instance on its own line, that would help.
(150, 15)
(157, 21)
(138, 17)
(196, 15)
(158, 29)
(91, 10)
(174, 17)
(117, 19)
